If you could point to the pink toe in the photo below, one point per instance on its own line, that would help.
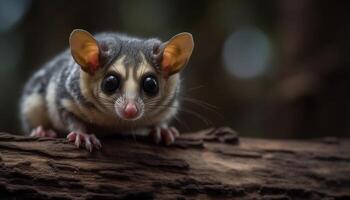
(88, 144)
(175, 132)
(77, 140)
(96, 142)
(71, 136)
(167, 136)
(33, 133)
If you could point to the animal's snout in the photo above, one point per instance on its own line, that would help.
(130, 110)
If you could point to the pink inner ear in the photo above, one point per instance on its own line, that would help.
(166, 65)
(93, 63)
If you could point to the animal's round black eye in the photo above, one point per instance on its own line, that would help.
(150, 85)
(110, 84)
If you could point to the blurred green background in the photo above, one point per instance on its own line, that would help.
(270, 68)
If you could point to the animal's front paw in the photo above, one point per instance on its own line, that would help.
(41, 132)
(166, 135)
(90, 140)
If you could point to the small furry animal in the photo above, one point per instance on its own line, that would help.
(107, 83)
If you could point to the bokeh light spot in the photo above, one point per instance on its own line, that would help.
(247, 53)
(12, 12)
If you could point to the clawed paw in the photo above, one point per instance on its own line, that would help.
(41, 132)
(165, 135)
(89, 140)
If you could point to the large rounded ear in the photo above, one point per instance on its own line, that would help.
(176, 53)
(85, 50)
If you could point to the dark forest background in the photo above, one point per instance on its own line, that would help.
(277, 68)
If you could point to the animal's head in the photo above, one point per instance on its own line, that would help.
(129, 77)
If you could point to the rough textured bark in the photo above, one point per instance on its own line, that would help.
(210, 164)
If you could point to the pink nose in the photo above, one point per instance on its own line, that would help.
(130, 110)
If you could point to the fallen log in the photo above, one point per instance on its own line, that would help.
(209, 164)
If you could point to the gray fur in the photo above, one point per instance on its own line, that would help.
(130, 47)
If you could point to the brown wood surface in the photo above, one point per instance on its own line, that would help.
(210, 164)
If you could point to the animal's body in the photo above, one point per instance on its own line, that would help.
(107, 83)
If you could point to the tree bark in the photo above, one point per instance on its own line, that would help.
(209, 164)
